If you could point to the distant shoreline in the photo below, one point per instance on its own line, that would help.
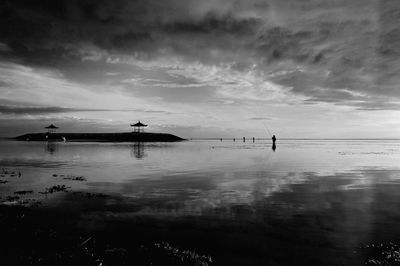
(100, 137)
(250, 138)
(194, 139)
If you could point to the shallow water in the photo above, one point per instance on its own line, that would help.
(331, 196)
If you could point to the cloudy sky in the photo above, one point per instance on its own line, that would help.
(210, 68)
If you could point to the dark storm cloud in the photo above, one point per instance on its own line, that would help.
(348, 51)
(279, 43)
(213, 23)
(7, 109)
(28, 25)
(40, 110)
(349, 55)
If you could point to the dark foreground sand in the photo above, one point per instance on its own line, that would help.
(306, 224)
(87, 230)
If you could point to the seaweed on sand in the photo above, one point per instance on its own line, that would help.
(187, 257)
(47, 237)
(10, 173)
(75, 178)
(90, 195)
(56, 188)
(382, 254)
(23, 192)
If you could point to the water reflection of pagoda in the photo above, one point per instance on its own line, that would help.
(51, 147)
(138, 150)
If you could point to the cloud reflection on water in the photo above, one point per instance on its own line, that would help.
(307, 194)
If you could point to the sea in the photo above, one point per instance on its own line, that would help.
(308, 201)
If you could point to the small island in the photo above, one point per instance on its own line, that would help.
(138, 135)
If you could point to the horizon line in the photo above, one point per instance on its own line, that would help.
(250, 138)
(256, 138)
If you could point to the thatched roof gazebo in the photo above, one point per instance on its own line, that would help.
(138, 127)
(51, 129)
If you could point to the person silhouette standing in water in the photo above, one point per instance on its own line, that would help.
(273, 143)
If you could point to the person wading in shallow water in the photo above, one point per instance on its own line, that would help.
(273, 142)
